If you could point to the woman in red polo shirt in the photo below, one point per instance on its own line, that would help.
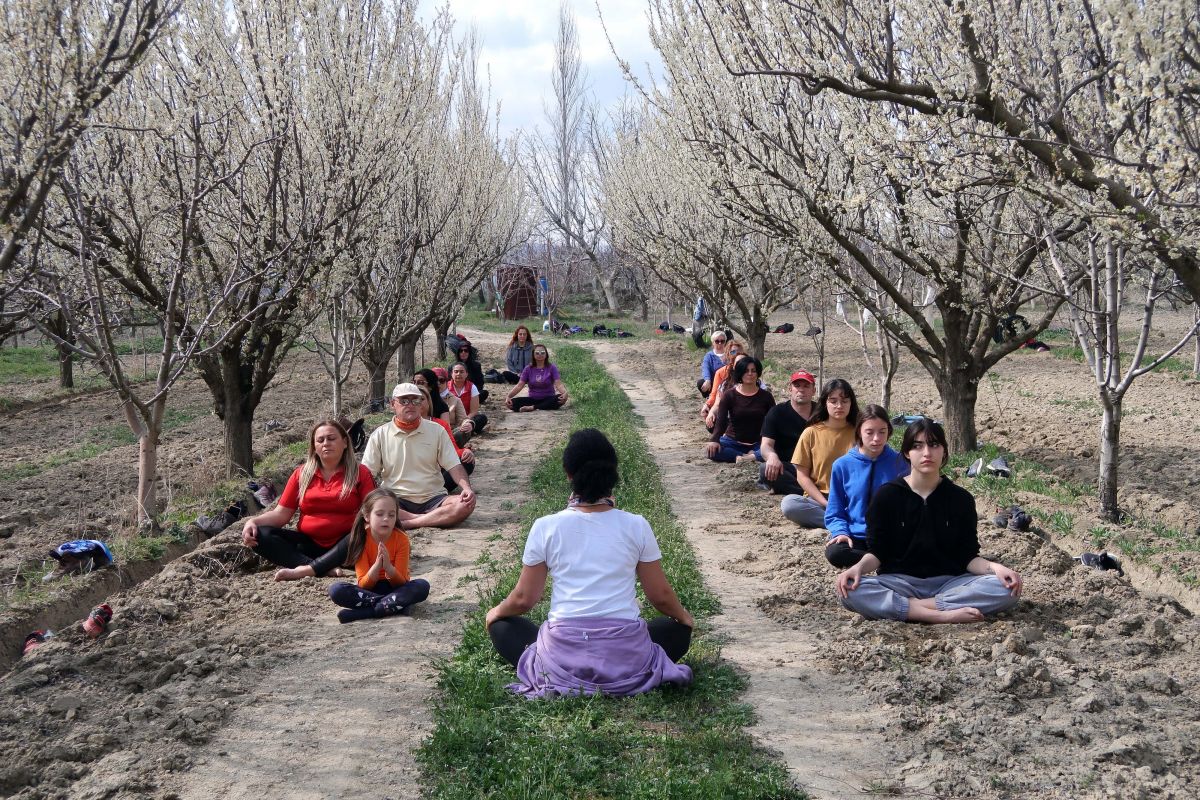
(327, 499)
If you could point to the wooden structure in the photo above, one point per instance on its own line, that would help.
(517, 284)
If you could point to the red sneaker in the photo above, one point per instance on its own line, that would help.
(97, 621)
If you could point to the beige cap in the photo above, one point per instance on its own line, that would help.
(406, 390)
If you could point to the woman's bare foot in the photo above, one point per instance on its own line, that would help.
(527, 408)
(925, 610)
(745, 457)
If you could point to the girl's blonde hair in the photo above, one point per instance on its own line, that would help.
(357, 540)
(313, 462)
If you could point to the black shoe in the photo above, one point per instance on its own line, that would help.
(998, 467)
(1019, 521)
(1103, 560)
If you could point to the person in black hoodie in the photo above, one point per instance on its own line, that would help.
(922, 541)
(469, 357)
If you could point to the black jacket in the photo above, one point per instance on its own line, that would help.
(922, 537)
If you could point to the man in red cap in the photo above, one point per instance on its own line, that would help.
(781, 430)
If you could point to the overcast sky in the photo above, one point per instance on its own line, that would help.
(518, 49)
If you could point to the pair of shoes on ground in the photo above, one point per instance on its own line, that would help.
(1103, 560)
(211, 526)
(263, 491)
(346, 615)
(997, 468)
(1014, 518)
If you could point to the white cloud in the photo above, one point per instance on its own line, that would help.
(518, 49)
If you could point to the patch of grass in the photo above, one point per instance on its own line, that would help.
(26, 589)
(1173, 365)
(19, 364)
(1062, 522)
(670, 743)
(93, 442)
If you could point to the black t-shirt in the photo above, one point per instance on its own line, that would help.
(784, 425)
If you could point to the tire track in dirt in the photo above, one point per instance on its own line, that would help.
(352, 711)
(819, 726)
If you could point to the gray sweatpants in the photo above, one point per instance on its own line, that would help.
(886, 596)
(802, 510)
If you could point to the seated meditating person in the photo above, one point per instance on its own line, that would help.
(737, 430)
(546, 389)
(781, 431)
(465, 454)
(855, 479)
(407, 456)
(923, 544)
(327, 489)
(713, 360)
(722, 380)
(594, 640)
(463, 426)
(468, 356)
(828, 437)
(519, 354)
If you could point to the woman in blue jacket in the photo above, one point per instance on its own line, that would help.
(856, 477)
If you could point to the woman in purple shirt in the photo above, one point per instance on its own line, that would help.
(546, 389)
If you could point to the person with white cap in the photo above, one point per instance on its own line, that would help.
(408, 454)
(781, 431)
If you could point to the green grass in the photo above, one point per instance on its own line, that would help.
(18, 364)
(92, 443)
(474, 315)
(40, 362)
(1174, 364)
(670, 743)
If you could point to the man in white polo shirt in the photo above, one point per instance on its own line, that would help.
(408, 454)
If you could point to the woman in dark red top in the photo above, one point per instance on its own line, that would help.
(737, 431)
(327, 500)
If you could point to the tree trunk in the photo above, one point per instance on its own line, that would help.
(239, 436)
(608, 284)
(1196, 358)
(756, 335)
(1110, 456)
(442, 329)
(66, 368)
(149, 434)
(337, 396)
(959, 391)
(375, 358)
(147, 491)
(66, 364)
(406, 357)
(886, 351)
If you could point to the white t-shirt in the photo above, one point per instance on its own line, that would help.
(592, 559)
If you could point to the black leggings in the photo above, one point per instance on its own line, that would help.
(510, 377)
(448, 481)
(286, 547)
(511, 635)
(545, 404)
(478, 423)
(845, 555)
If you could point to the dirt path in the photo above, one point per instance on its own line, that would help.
(1078, 693)
(813, 719)
(316, 728)
(214, 681)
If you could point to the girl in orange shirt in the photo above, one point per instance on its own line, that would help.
(378, 551)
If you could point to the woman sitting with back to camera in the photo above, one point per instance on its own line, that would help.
(594, 640)
(922, 540)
